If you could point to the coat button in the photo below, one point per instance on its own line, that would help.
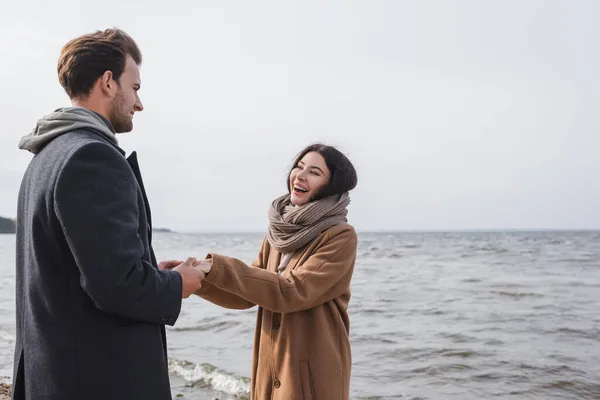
(277, 384)
(276, 325)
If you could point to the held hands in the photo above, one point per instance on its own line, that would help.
(191, 277)
(203, 265)
(192, 273)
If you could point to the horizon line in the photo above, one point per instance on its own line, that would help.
(432, 230)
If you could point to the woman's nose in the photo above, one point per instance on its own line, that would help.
(301, 176)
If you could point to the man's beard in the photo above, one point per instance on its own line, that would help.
(120, 117)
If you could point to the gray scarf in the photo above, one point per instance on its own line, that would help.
(291, 228)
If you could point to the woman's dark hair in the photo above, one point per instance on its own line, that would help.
(343, 175)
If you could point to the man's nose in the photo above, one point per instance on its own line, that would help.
(139, 106)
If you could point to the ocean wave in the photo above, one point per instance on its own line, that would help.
(209, 376)
(592, 334)
(457, 337)
(516, 294)
(441, 369)
(7, 337)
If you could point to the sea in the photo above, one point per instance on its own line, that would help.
(434, 315)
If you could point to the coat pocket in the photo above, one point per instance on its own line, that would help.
(306, 381)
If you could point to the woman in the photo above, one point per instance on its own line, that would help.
(301, 283)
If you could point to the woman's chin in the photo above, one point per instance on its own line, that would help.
(298, 200)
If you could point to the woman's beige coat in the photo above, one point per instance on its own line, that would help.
(301, 344)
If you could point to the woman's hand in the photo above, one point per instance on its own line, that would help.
(204, 265)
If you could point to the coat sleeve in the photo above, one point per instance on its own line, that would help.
(325, 275)
(223, 298)
(96, 203)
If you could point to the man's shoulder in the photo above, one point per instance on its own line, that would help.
(85, 158)
(77, 145)
(70, 142)
(78, 149)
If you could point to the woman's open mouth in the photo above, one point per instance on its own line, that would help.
(300, 190)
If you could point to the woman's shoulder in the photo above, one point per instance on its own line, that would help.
(340, 232)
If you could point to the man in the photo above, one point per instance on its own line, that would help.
(91, 301)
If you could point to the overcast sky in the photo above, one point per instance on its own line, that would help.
(456, 114)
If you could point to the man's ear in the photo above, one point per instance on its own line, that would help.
(107, 83)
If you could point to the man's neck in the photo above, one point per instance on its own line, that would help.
(92, 106)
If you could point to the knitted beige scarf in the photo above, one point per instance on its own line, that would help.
(291, 228)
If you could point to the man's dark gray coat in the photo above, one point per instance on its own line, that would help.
(91, 304)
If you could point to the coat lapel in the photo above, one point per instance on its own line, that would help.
(133, 163)
(296, 257)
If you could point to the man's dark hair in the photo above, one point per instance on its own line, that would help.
(86, 58)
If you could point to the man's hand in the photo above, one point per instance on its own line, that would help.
(191, 277)
(169, 264)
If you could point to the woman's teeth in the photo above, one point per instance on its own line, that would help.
(299, 189)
